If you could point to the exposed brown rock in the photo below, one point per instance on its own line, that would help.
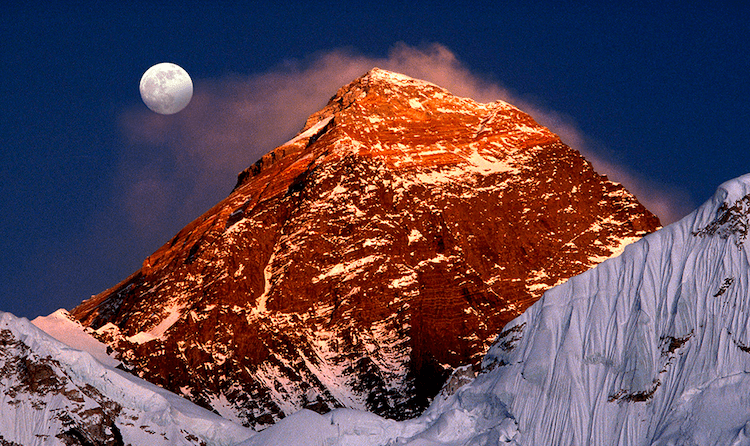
(41, 385)
(359, 263)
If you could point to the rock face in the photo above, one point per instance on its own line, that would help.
(38, 391)
(358, 263)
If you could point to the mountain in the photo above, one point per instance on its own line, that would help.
(649, 348)
(51, 394)
(357, 264)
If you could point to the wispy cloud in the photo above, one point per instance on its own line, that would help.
(669, 202)
(175, 167)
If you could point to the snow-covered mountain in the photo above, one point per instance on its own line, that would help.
(51, 394)
(358, 263)
(649, 348)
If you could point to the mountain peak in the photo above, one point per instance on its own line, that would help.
(385, 78)
(357, 263)
(733, 190)
(408, 124)
(380, 75)
(377, 82)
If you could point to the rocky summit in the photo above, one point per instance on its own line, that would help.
(357, 264)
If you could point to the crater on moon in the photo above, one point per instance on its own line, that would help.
(166, 88)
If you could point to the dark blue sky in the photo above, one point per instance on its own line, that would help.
(659, 92)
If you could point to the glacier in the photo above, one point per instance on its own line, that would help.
(648, 348)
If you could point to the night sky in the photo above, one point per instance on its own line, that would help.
(93, 182)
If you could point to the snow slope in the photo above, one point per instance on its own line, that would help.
(651, 347)
(60, 326)
(51, 393)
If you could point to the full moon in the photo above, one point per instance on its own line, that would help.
(166, 88)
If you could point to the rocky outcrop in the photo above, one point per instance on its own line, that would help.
(39, 387)
(54, 395)
(359, 263)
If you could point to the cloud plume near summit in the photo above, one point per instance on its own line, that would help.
(176, 167)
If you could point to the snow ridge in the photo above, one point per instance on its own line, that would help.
(145, 413)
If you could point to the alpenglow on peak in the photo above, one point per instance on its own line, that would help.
(357, 264)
